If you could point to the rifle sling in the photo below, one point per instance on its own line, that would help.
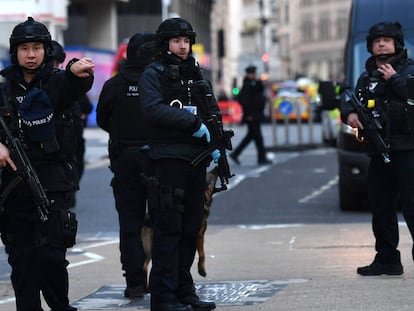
(196, 161)
(10, 187)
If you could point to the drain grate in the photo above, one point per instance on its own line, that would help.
(223, 293)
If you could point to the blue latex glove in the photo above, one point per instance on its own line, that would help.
(215, 155)
(202, 131)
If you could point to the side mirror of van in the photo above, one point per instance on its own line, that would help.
(329, 99)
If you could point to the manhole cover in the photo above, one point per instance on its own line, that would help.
(223, 293)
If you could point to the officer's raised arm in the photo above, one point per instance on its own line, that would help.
(82, 68)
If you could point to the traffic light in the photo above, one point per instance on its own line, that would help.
(265, 60)
(235, 90)
(265, 57)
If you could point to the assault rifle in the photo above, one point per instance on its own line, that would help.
(370, 119)
(25, 173)
(220, 138)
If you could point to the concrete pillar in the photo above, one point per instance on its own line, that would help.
(102, 25)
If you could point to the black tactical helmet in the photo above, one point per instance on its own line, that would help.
(142, 48)
(175, 27)
(29, 31)
(58, 52)
(386, 29)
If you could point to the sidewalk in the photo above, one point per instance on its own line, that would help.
(276, 268)
(282, 268)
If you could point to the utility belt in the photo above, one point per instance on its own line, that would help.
(117, 147)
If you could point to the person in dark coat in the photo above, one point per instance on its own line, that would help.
(172, 97)
(252, 100)
(36, 100)
(382, 87)
(119, 113)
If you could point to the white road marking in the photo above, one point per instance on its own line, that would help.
(319, 191)
(7, 300)
(292, 242)
(269, 226)
(92, 258)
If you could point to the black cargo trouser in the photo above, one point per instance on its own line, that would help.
(176, 217)
(388, 184)
(36, 254)
(130, 202)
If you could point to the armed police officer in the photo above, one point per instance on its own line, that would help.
(172, 106)
(36, 101)
(119, 113)
(382, 88)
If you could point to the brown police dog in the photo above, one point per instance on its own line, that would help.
(147, 233)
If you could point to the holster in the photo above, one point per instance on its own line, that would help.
(165, 198)
(63, 227)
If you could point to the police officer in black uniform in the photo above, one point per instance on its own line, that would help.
(36, 101)
(252, 100)
(171, 102)
(118, 112)
(383, 87)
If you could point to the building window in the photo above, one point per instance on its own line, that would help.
(307, 31)
(306, 2)
(324, 27)
(286, 13)
(274, 36)
(342, 24)
(274, 9)
(284, 47)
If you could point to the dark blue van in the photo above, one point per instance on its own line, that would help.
(352, 161)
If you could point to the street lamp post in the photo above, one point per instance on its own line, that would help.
(265, 56)
(265, 59)
(164, 9)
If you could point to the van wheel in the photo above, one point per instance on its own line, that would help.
(330, 142)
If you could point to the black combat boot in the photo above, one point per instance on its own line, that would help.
(198, 305)
(377, 268)
(134, 292)
(163, 304)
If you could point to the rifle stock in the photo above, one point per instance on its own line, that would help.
(25, 172)
(371, 125)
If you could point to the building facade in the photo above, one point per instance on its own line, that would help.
(312, 36)
(283, 38)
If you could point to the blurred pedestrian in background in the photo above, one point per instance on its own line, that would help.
(252, 99)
